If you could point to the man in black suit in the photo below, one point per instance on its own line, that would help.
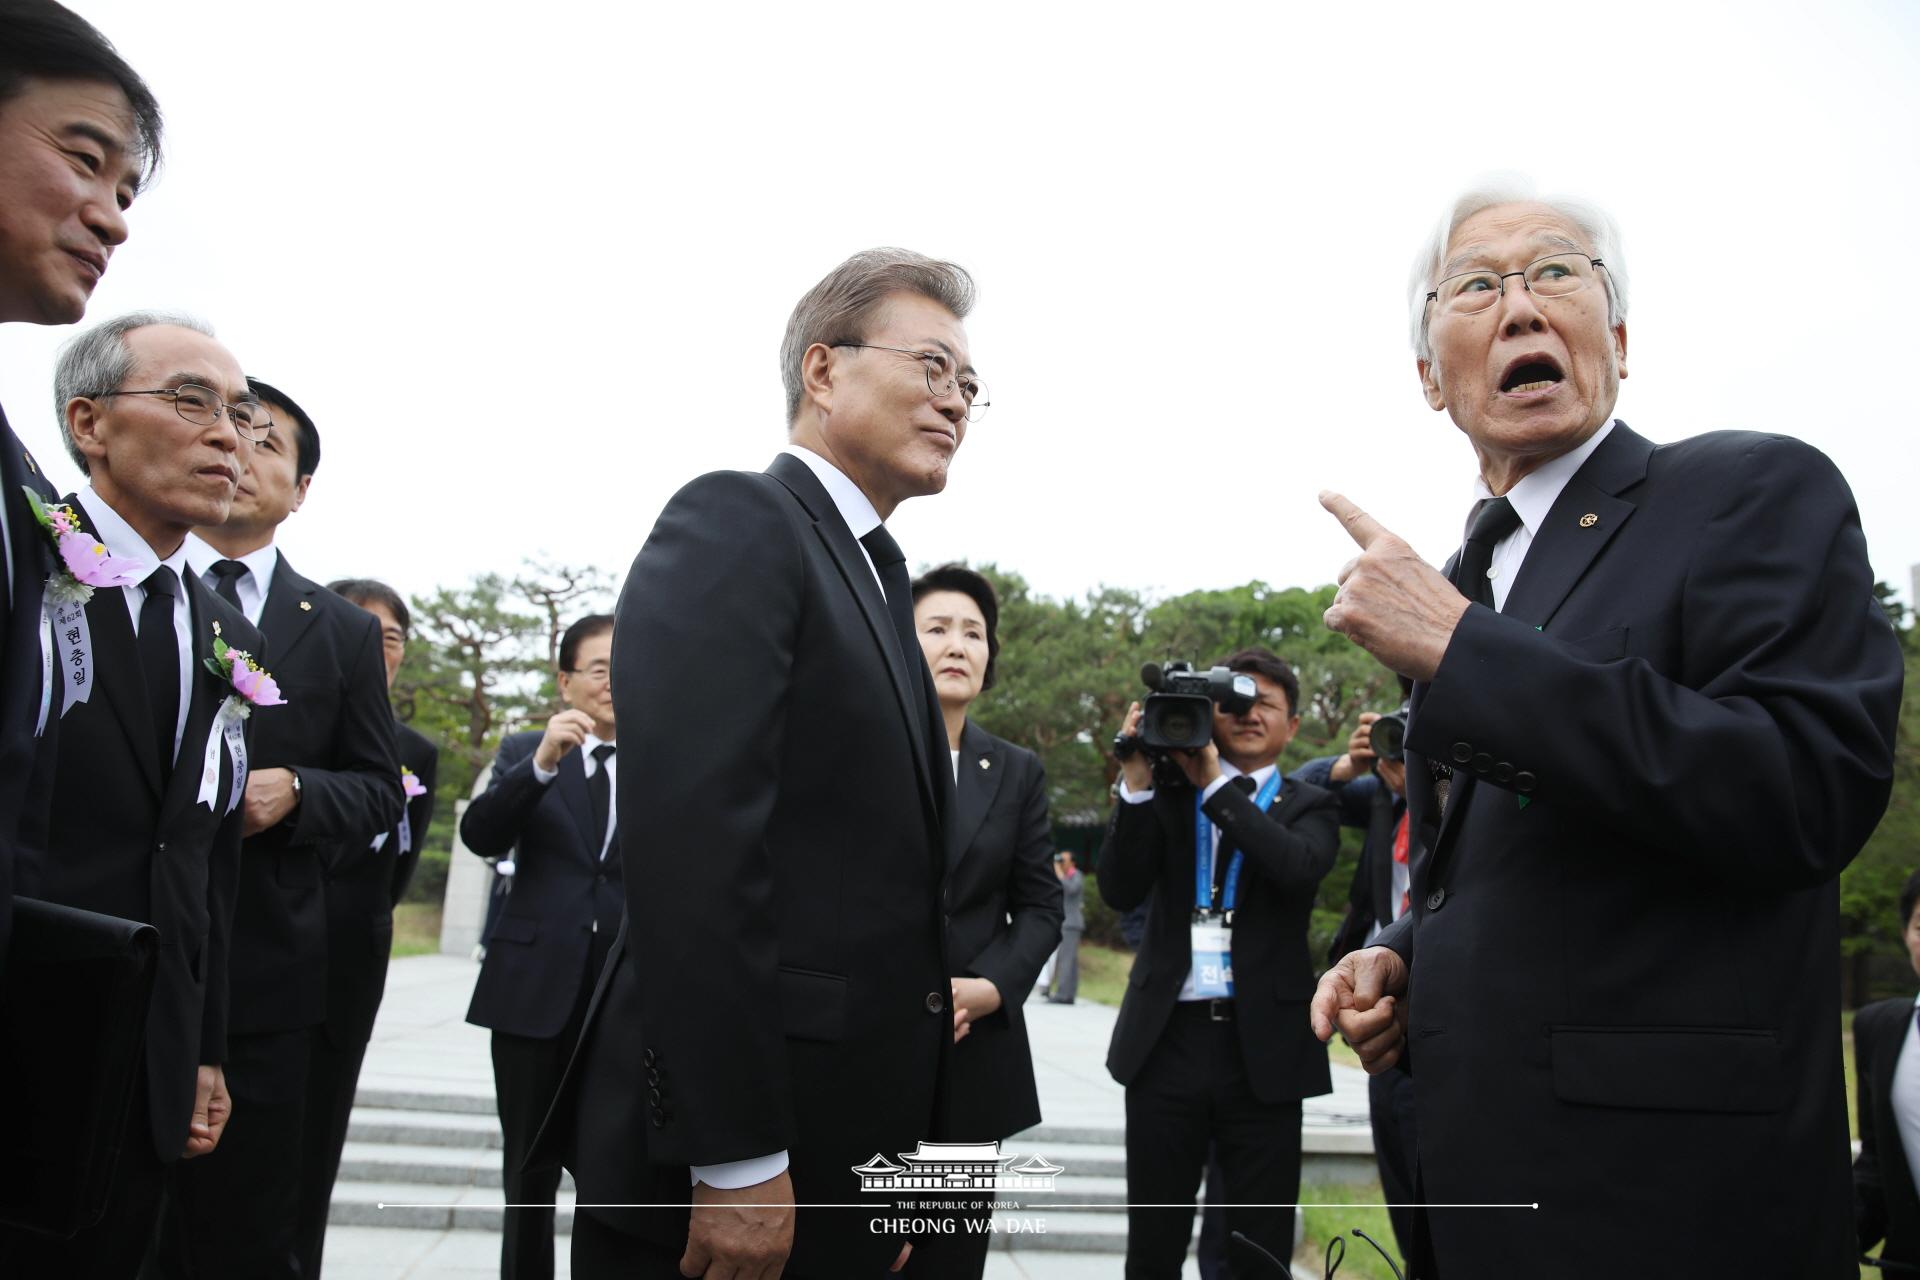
(1371, 792)
(361, 893)
(324, 780)
(1650, 726)
(146, 807)
(1887, 1070)
(63, 92)
(1211, 1041)
(552, 802)
(782, 986)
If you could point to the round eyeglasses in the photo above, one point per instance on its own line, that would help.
(203, 406)
(942, 381)
(1554, 276)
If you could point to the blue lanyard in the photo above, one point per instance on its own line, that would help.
(1203, 851)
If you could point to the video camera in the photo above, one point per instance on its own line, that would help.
(1178, 714)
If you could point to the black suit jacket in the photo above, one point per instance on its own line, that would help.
(1289, 850)
(336, 732)
(562, 891)
(361, 892)
(26, 762)
(124, 843)
(1625, 934)
(1885, 1204)
(1369, 804)
(782, 981)
(1004, 916)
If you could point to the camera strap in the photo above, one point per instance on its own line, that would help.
(1203, 851)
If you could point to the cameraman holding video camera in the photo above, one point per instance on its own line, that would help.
(1370, 784)
(1212, 1041)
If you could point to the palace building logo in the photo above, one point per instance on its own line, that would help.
(957, 1166)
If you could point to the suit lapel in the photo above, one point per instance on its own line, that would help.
(282, 619)
(981, 769)
(572, 783)
(116, 668)
(1892, 1040)
(1583, 520)
(852, 563)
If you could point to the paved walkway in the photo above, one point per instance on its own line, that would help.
(422, 1044)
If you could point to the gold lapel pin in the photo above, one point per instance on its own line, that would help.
(985, 763)
(1589, 520)
(305, 607)
(29, 459)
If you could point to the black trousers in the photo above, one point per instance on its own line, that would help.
(122, 1242)
(1193, 1093)
(333, 1073)
(526, 1077)
(1390, 1102)
(231, 1212)
(960, 1256)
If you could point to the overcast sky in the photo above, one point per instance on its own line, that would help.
(531, 280)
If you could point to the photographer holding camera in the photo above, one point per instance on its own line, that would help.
(1369, 783)
(1212, 1041)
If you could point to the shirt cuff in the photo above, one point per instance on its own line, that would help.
(735, 1174)
(544, 776)
(1212, 787)
(1134, 797)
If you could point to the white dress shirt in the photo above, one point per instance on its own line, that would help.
(587, 763)
(1532, 498)
(119, 539)
(853, 506)
(1906, 1094)
(252, 585)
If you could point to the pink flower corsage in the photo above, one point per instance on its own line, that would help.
(84, 562)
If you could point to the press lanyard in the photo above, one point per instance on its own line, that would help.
(1203, 851)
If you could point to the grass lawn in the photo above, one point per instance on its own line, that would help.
(416, 929)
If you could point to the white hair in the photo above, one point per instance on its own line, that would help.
(1595, 223)
(99, 360)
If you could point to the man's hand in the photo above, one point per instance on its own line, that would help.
(727, 1240)
(1135, 769)
(1394, 774)
(211, 1108)
(1392, 603)
(1359, 757)
(1201, 767)
(564, 732)
(1365, 994)
(270, 797)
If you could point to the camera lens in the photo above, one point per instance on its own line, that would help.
(1388, 737)
(1179, 725)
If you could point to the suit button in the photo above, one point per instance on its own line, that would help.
(1524, 781)
(600, 878)
(653, 1096)
(1462, 752)
(1435, 899)
(1482, 762)
(648, 1057)
(659, 1118)
(161, 847)
(653, 1076)
(935, 1002)
(1503, 773)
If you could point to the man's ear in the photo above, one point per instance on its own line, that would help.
(84, 420)
(816, 374)
(1430, 384)
(300, 490)
(1620, 348)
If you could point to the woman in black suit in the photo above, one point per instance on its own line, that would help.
(1003, 900)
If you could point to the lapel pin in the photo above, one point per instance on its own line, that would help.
(216, 626)
(305, 607)
(1589, 520)
(985, 763)
(29, 460)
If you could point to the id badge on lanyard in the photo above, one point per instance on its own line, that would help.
(1212, 930)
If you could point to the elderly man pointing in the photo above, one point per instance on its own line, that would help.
(1653, 719)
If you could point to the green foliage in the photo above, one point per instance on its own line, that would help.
(1870, 886)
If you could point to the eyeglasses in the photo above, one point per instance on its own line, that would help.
(599, 672)
(203, 407)
(941, 378)
(1554, 276)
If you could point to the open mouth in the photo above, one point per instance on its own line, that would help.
(1531, 373)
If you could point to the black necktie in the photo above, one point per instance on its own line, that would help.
(227, 585)
(600, 795)
(1493, 520)
(891, 562)
(160, 658)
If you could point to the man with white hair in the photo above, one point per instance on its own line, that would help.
(1653, 719)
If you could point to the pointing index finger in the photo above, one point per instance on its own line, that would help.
(1360, 526)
